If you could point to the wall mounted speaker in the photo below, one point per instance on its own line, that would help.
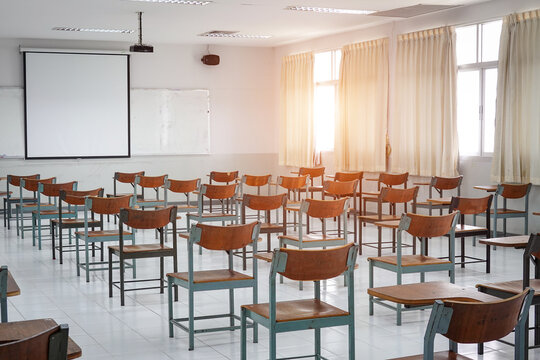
(210, 59)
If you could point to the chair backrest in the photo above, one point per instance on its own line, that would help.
(53, 190)
(425, 226)
(127, 178)
(314, 265)
(446, 183)
(108, 206)
(340, 188)
(256, 180)
(151, 181)
(183, 186)
(230, 237)
(148, 219)
(312, 172)
(532, 251)
(219, 191)
(15, 180)
(513, 191)
(324, 209)
(50, 344)
(77, 197)
(223, 177)
(349, 176)
(398, 196)
(32, 184)
(293, 182)
(471, 206)
(478, 322)
(393, 179)
(264, 203)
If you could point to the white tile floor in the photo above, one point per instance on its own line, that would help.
(105, 330)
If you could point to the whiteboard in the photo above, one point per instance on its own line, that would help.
(163, 122)
(169, 122)
(11, 122)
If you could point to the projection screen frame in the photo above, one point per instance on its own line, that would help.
(77, 52)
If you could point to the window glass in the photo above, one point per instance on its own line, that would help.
(466, 48)
(468, 98)
(323, 66)
(491, 33)
(490, 96)
(324, 114)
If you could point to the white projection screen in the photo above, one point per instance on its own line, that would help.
(77, 105)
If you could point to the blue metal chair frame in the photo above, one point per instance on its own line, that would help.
(21, 209)
(192, 287)
(3, 293)
(422, 269)
(279, 264)
(157, 202)
(433, 186)
(37, 215)
(8, 200)
(83, 236)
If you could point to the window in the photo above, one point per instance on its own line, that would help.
(477, 50)
(326, 75)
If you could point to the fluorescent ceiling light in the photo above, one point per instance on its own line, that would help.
(120, 31)
(330, 10)
(180, 2)
(233, 34)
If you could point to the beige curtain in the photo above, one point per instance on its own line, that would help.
(424, 126)
(297, 144)
(517, 121)
(361, 121)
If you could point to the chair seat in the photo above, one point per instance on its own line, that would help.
(512, 287)
(410, 260)
(210, 215)
(208, 276)
(375, 218)
(53, 212)
(268, 227)
(131, 249)
(389, 224)
(298, 310)
(100, 233)
(3, 193)
(139, 201)
(76, 221)
(441, 355)
(469, 228)
(35, 205)
(184, 207)
(371, 193)
(310, 238)
(507, 211)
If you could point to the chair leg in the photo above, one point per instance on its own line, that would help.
(231, 308)
(191, 320)
(161, 274)
(110, 272)
(3, 310)
(87, 255)
(352, 349)
(77, 256)
(273, 351)
(370, 286)
(60, 255)
(243, 335)
(122, 265)
(39, 231)
(317, 343)
(462, 252)
(52, 240)
(170, 303)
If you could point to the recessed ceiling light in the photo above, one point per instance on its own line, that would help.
(233, 34)
(120, 31)
(329, 10)
(180, 2)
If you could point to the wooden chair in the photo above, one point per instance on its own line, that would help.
(50, 191)
(139, 219)
(422, 227)
(351, 176)
(510, 191)
(471, 323)
(341, 189)
(313, 173)
(187, 188)
(393, 197)
(51, 344)
(284, 316)
(385, 180)
(74, 199)
(226, 178)
(506, 289)
(23, 208)
(440, 185)
(255, 181)
(15, 181)
(265, 204)
(221, 238)
(295, 186)
(471, 206)
(101, 206)
(124, 178)
(151, 182)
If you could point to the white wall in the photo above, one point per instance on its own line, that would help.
(476, 170)
(243, 132)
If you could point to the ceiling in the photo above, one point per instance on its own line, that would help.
(172, 23)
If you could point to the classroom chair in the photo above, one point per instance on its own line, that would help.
(440, 185)
(50, 344)
(384, 180)
(295, 186)
(151, 182)
(313, 173)
(124, 178)
(341, 189)
(74, 199)
(351, 176)
(24, 208)
(422, 227)
(101, 206)
(254, 181)
(15, 181)
(139, 219)
(52, 191)
(222, 177)
(187, 188)
(473, 323)
(219, 238)
(294, 315)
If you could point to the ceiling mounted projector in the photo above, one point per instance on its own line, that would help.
(140, 47)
